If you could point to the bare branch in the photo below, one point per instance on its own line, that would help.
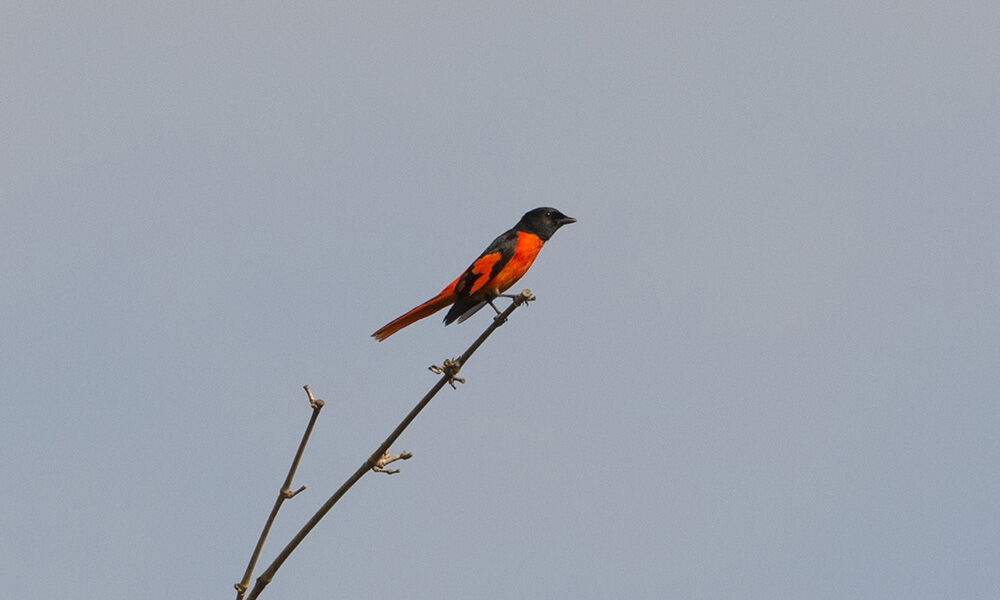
(285, 493)
(448, 377)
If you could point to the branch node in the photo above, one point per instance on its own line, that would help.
(380, 464)
(518, 299)
(287, 493)
(451, 369)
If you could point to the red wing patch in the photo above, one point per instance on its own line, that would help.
(481, 270)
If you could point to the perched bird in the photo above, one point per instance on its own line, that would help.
(497, 268)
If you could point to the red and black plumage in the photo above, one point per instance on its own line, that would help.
(503, 262)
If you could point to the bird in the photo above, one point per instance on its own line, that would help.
(503, 262)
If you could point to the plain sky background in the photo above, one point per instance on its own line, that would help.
(764, 364)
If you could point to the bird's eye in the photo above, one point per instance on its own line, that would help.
(548, 213)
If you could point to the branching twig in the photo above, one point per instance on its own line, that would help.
(285, 493)
(450, 368)
(448, 376)
(386, 459)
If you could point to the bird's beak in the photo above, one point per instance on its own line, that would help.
(566, 220)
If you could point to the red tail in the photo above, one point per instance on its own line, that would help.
(446, 297)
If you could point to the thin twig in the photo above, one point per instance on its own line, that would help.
(284, 494)
(268, 575)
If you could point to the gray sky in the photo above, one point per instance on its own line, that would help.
(764, 364)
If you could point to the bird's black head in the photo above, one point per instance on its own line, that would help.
(543, 222)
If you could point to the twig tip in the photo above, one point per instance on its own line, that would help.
(287, 493)
(313, 401)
